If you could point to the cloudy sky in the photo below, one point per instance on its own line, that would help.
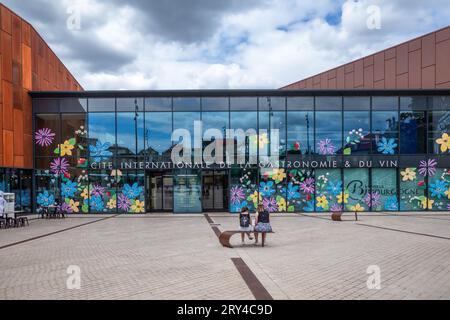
(191, 44)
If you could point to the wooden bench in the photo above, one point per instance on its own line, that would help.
(337, 216)
(225, 236)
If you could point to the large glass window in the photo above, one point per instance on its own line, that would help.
(272, 187)
(187, 192)
(300, 131)
(47, 135)
(131, 195)
(329, 192)
(385, 132)
(356, 190)
(300, 190)
(130, 133)
(438, 132)
(412, 132)
(439, 190)
(248, 122)
(328, 132)
(158, 132)
(186, 121)
(356, 132)
(102, 191)
(384, 190)
(215, 121)
(412, 190)
(243, 189)
(102, 136)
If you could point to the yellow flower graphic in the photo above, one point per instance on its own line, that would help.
(357, 208)
(138, 206)
(255, 197)
(111, 203)
(66, 148)
(408, 174)
(322, 202)
(447, 193)
(74, 205)
(343, 197)
(444, 142)
(281, 204)
(263, 140)
(278, 175)
(427, 203)
(85, 194)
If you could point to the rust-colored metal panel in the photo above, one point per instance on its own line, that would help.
(309, 83)
(7, 101)
(340, 81)
(443, 62)
(368, 77)
(402, 58)
(8, 148)
(18, 161)
(27, 112)
(18, 132)
(324, 80)
(402, 81)
(349, 80)
(428, 50)
(332, 83)
(348, 67)
(28, 150)
(389, 53)
(379, 84)
(368, 61)
(389, 74)
(16, 40)
(6, 56)
(26, 67)
(415, 44)
(359, 73)
(428, 77)
(443, 34)
(332, 74)
(6, 19)
(378, 71)
(415, 69)
(26, 33)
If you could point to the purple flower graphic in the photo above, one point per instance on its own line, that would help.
(336, 207)
(123, 202)
(427, 167)
(237, 194)
(65, 207)
(97, 190)
(270, 204)
(307, 186)
(59, 166)
(325, 147)
(373, 199)
(448, 207)
(44, 137)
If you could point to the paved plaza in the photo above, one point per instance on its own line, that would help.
(180, 257)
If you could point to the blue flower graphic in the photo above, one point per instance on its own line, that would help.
(266, 189)
(386, 146)
(334, 189)
(237, 207)
(391, 204)
(309, 206)
(292, 191)
(45, 199)
(133, 191)
(438, 188)
(68, 189)
(97, 203)
(100, 151)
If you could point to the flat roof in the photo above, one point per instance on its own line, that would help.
(234, 93)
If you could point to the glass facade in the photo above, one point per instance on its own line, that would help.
(350, 153)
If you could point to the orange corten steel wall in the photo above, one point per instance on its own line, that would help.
(27, 63)
(421, 63)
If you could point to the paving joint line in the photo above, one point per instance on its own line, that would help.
(404, 231)
(55, 232)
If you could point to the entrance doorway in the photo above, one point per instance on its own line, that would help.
(159, 191)
(215, 190)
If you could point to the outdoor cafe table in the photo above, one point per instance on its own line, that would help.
(46, 211)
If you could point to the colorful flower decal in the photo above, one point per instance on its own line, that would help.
(138, 206)
(66, 148)
(123, 202)
(45, 199)
(292, 191)
(68, 189)
(373, 199)
(438, 189)
(334, 188)
(98, 190)
(237, 194)
(270, 204)
(238, 206)
(59, 166)
(100, 151)
(132, 191)
(85, 193)
(266, 188)
(322, 202)
(44, 137)
(111, 204)
(74, 205)
(278, 175)
(255, 197)
(263, 140)
(117, 174)
(342, 197)
(427, 203)
(309, 207)
(96, 203)
(281, 203)
(65, 207)
(307, 186)
(326, 147)
(391, 204)
(386, 146)
(336, 207)
(444, 142)
(357, 208)
(427, 167)
(408, 174)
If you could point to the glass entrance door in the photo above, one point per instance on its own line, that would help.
(159, 191)
(187, 191)
(215, 190)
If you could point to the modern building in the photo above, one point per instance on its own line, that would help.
(371, 135)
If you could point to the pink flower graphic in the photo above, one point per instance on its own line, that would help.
(336, 207)
(270, 204)
(123, 202)
(59, 166)
(97, 190)
(237, 194)
(307, 186)
(373, 199)
(44, 137)
(427, 167)
(325, 147)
